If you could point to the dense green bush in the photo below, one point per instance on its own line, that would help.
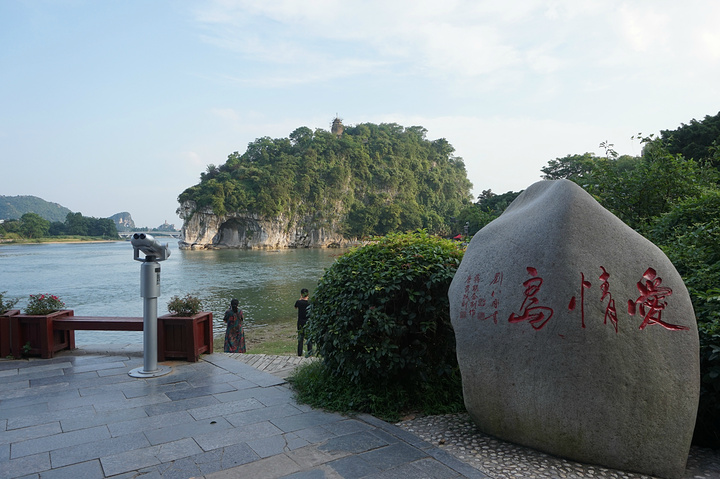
(316, 385)
(380, 315)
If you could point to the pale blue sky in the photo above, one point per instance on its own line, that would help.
(119, 105)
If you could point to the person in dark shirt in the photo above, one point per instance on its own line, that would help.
(302, 306)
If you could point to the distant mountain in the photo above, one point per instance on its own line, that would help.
(13, 207)
(123, 221)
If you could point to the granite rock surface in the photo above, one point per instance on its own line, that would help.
(576, 335)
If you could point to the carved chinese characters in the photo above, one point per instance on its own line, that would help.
(651, 302)
(576, 336)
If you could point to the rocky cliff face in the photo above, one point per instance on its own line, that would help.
(123, 221)
(202, 229)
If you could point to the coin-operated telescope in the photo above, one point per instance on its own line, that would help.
(149, 290)
(153, 250)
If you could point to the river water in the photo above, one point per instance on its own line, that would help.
(102, 279)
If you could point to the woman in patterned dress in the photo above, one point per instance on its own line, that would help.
(234, 335)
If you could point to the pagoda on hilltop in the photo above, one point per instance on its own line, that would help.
(337, 127)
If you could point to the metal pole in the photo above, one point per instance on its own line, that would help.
(150, 290)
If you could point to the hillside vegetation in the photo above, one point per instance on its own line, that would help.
(13, 207)
(370, 180)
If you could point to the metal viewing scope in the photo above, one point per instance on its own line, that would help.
(149, 290)
(153, 250)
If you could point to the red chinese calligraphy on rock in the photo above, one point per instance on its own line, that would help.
(473, 304)
(584, 284)
(652, 301)
(537, 316)
(610, 311)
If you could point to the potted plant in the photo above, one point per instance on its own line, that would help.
(32, 333)
(6, 304)
(186, 332)
(188, 305)
(6, 310)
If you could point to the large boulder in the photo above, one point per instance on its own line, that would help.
(576, 335)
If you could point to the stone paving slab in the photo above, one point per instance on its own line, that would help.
(79, 415)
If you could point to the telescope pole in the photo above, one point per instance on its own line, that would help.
(150, 290)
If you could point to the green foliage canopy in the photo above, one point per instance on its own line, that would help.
(32, 226)
(381, 315)
(699, 140)
(488, 207)
(380, 320)
(372, 180)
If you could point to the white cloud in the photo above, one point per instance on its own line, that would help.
(507, 153)
(462, 39)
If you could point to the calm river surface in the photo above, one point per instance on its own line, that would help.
(102, 279)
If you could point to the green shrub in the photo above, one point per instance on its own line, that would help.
(380, 316)
(315, 385)
(707, 425)
(188, 305)
(6, 304)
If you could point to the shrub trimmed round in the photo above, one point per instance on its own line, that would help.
(380, 313)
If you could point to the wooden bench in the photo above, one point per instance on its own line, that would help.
(178, 337)
(97, 323)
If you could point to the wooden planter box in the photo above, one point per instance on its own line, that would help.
(185, 337)
(36, 331)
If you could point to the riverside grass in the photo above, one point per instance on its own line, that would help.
(278, 339)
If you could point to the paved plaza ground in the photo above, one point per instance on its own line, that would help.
(80, 415)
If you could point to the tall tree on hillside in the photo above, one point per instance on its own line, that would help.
(698, 140)
(33, 226)
(76, 224)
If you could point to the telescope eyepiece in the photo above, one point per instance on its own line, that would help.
(152, 249)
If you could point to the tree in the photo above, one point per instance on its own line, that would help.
(698, 140)
(488, 207)
(57, 228)
(374, 179)
(33, 226)
(638, 190)
(76, 224)
(103, 227)
(10, 227)
(571, 167)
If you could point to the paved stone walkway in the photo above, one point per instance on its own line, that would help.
(456, 434)
(79, 415)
